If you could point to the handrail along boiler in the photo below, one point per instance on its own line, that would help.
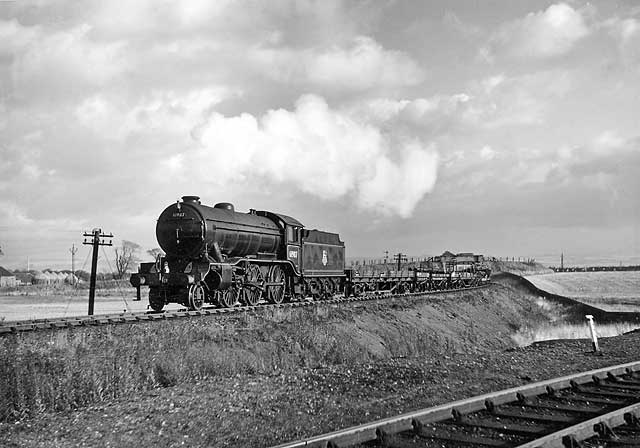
(219, 256)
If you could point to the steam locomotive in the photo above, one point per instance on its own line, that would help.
(219, 256)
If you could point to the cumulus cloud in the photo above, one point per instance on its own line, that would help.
(51, 64)
(320, 151)
(541, 34)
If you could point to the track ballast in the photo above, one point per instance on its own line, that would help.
(598, 408)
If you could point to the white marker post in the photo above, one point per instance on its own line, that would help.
(594, 336)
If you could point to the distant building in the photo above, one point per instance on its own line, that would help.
(39, 278)
(24, 278)
(7, 278)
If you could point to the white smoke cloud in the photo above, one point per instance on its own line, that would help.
(320, 151)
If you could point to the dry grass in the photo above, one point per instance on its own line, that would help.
(611, 291)
(72, 368)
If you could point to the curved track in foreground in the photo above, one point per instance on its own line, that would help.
(599, 408)
(11, 327)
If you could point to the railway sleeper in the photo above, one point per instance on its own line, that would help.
(608, 393)
(522, 414)
(448, 435)
(607, 434)
(593, 410)
(513, 428)
(562, 403)
(632, 420)
(587, 399)
(597, 391)
(622, 380)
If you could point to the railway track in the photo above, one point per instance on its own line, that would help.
(599, 408)
(12, 327)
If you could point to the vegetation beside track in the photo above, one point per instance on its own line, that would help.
(69, 369)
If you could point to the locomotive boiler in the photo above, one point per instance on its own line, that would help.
(217, 255)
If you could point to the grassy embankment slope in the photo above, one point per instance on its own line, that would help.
(46, 371)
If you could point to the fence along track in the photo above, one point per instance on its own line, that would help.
(146, 316)
(523, 417)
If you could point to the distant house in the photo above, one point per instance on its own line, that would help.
(24, 278)
(39, 278)
(7, 278)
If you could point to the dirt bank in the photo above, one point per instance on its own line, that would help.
(261, 378)
(517, 267)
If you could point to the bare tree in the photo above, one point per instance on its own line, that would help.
(126, 256)
(155, 252)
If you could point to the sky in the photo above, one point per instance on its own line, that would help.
(508, 128)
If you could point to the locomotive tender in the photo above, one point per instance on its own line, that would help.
(219, 256)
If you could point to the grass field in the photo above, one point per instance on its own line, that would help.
(610, 291)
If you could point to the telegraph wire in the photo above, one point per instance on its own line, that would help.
(117, 280)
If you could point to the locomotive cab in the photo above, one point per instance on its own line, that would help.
(293, 235)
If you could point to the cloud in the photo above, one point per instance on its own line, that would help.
(488, 104)
(320, 151)
(487, 153)
(627, 35)
(49, 65)
(362, 64)
(451, 20)
(543, 34)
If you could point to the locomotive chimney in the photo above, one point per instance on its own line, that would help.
(193, 199)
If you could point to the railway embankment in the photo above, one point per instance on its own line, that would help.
(264, 377)
(517, 267)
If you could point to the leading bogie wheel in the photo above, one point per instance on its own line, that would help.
(197, 296)
(156, 301)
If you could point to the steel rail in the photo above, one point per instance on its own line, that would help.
(583, 430)
(12, 327)
(405, 422)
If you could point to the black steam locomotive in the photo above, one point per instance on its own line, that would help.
(216, 255)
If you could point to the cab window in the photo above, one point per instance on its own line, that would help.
(292, 234)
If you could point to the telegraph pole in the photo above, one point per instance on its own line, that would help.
(96, 235)
(400, 257)
(73, 251)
